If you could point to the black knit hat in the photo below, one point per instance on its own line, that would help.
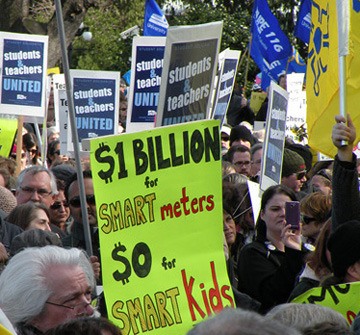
(292, 163)
(344, 247)
(241, 132)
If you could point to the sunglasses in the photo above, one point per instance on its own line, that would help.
(307, 219)
(75, 202)
(300, 175)
(225, 138)
(33, 151)
(57, 205)
(57, 152)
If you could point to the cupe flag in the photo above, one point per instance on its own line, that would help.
(267, 35)
(155, 23)
(322, 84)
(303, 23)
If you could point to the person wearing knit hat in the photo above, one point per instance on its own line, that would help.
(225, 138)
(293, 173)
(7, 200)
(344, 248)
(241, 135)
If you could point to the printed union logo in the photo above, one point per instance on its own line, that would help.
(320, 34)
(159, 20)
(356, 6)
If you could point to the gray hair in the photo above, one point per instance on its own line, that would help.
(302, 316)
(240, 322)
(24, 288)
(33, 170)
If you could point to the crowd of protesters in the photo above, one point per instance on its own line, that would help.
(269, 262)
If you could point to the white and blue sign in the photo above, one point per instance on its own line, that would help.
(96, 102)
(226, 83)
(23, 64)
(149, 64)
(146, 69)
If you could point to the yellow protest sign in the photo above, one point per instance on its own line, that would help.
(256, 100)
(159, 208)
(343, 298)
(8, 129)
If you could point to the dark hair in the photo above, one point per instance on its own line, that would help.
(266, 197)
(317, 259)
(23, 214)
(85, 326)
(51, 150)
(236, 148)
(74, 177)
(29, 141)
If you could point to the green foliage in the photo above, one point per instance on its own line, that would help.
(108, 51)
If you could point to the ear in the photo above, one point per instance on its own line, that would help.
(262, 214)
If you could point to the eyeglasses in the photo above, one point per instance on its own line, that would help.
(245, 163)
(79, 309)
(57, 205)
(307, 219)
(41, 192)
(300, 175)
(75, 202)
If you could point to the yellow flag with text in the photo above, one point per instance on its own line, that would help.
(322, 83)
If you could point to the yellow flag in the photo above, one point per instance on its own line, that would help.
(322, 83)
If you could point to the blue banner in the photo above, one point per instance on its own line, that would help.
(303, 23)
(23, 69)
(267, 35)
(149, 64)
(94, 102)
(155, 23)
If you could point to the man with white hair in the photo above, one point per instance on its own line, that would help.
(41, 288)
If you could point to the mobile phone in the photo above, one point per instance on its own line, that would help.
(292, 214)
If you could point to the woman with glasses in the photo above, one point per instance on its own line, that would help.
(315, 210)
(30, 145)
(267, 268)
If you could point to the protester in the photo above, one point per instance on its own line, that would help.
(318, 264)
(30, 215)
(240, 134)
(256, 152)
(240, 157)
(240, 322)
(343, 242)
(31, 146)
(86, 326)
(303, 316)
(321, 182)
(293, 173)
(72, 193)
(225, 138)
(267, 268)
(36, 184)
(41, 288)
(59, 211)
(34, 238)
(7, 201)
(315, 211)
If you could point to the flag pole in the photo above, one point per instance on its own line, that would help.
(343, 17)
(69, 94)
(247, 63)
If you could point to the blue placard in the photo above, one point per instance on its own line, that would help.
(149, 64)
(94, 102)
(225, 88)
(23, 68)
